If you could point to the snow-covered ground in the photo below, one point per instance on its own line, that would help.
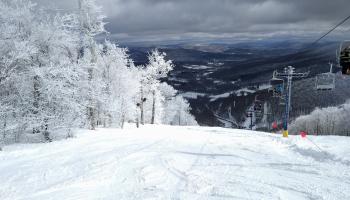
(162, 162)
(192, 95)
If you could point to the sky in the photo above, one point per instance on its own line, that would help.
(166, 20)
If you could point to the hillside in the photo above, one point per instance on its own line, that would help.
(163, 162)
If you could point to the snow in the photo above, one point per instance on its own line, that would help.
(239, 92)
(192, 95)
(219, 96)
(245, 91)
(163, 162)
(197, 67)
(264, 87)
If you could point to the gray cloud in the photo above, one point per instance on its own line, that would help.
(175, 19)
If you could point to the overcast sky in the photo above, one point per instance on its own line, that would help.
(142, 20)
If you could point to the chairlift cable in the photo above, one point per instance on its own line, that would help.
(319, 39)
(331, 30)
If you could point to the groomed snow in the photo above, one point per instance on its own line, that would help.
(163, 162)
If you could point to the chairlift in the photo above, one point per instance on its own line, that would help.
(276, 81)
(258, 109)
(282, 101)
(326, 81)
(344, 57)
(259, 115)
(277, 86)
(258, 105)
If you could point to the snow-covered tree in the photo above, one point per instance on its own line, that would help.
(176, 110)
(38, 71)
(91, 24)
(324, 121)
(157, 68)
(120, 85)
(54, 75)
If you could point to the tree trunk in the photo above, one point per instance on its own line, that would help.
(4, 133)
(141, 107)
(153, 106)
(36, 95)
(123, 120)
(91, 118)
(46, 131)
(180, 112)
(137, 121)
(91, 110)
(317, 126)
(104, 120)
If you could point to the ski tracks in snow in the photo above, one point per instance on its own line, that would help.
(187, 181)
(175, 163)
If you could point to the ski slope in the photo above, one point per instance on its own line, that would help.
(163, 162)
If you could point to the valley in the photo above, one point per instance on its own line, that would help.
(224, 79)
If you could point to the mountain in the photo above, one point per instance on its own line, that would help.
(224, 79)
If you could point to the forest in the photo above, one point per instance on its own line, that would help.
(56, 76)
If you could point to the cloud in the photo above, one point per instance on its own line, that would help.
(164, 19)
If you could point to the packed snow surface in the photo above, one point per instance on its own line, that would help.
(163, 162)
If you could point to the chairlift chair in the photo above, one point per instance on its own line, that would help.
(278, 91)
(259, 113)
(259, 116)
(276, 81)
(258, 105)
(326, 81)
(282, 101)
(277, 86)
(344, 57)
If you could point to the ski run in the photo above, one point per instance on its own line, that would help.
(164, 162)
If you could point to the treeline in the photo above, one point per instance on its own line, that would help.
(324, 121)
(55, 76)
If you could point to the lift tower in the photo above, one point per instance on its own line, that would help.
(288, 74)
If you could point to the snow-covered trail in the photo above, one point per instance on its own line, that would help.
(162, 162)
